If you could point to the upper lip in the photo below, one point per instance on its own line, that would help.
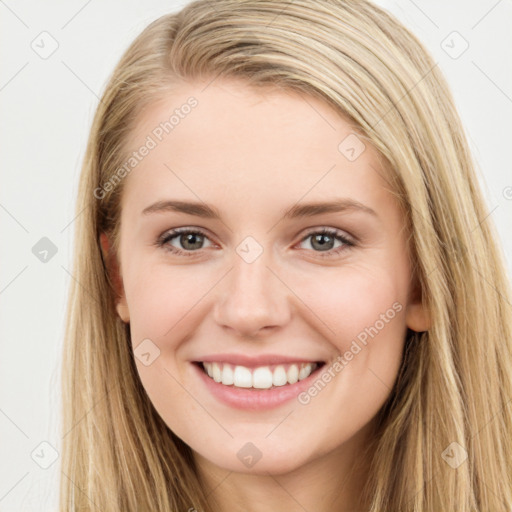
(254, 361)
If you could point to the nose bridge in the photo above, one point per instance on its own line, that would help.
(252, 297)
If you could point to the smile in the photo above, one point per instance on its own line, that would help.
(261, 377)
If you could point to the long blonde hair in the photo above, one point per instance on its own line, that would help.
(455, 383)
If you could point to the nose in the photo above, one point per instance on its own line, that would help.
(252, 299)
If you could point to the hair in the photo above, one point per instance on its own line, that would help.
(454, 384)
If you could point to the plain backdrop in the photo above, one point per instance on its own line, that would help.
(47, 104)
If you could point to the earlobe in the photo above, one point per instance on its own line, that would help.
(417, 317)
(122, 311)
(115, 278)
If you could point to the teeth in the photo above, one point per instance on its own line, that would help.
(217, 375)
(242, 377)
(279, 376)
(303, 373)
(227, 375)
(262, 377)
(292, 374)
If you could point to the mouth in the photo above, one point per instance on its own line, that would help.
(259, 377)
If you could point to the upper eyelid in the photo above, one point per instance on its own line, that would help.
(174, 233)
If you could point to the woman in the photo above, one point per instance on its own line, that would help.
(263, 369)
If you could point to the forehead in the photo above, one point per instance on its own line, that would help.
(231, 144)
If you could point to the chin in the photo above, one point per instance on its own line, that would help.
(264, 466)
(260, 457)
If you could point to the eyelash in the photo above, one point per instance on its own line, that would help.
(164, 239)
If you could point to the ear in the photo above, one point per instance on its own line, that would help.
(417, 317)
(115, 278)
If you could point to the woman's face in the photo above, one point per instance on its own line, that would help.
(259, 293)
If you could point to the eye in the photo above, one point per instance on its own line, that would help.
(190, 239)
(324, 239)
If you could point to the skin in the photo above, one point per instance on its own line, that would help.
(252, 154)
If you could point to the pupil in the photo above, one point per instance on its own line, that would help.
(190, 237)
(322, 245)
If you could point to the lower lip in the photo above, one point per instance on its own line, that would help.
(255, 399)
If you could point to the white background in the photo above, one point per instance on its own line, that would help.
(47, 107)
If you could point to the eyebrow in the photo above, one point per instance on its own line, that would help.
(301, 210)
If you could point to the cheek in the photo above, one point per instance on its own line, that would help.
(364, 310)
(161, 301)
(350, 301)
(160, 297)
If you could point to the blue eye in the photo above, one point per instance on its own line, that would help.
(191, 239)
